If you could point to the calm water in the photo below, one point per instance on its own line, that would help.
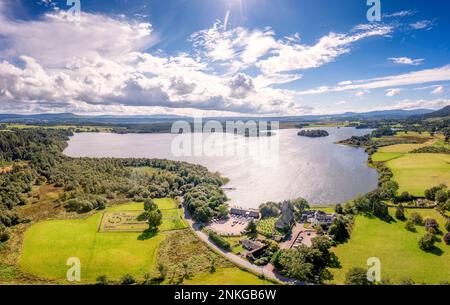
(263, 169)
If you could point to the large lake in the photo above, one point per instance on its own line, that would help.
(284, 166)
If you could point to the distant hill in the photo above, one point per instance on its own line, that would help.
(442, 113)
(69, 118)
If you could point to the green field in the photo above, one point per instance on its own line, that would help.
(417, 172)
(397, 249)
(234, 241)
(47, 246)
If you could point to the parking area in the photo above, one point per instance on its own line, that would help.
(233, 226)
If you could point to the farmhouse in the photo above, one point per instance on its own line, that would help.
(286, 220)
(245, 213)
(317, 218)
(257, 253)
(251, 245)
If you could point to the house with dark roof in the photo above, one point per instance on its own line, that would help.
(317, 218)
(250, 245)
(245, 213)
(257, 253)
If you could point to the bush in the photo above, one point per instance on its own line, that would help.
(447, 238)
(447, 225)
(127, 279)
(357, 276)
(416, 219)
(409, 225)
(219, 240)
(431, 223)
(4, 233)
(426, 243)
(102, 280)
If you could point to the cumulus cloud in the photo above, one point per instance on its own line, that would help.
(180, 86)
(406, 61)
(241, 86)
(392, 92)
(55, 40)
(53, 63)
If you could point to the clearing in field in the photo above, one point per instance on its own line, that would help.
(397, 249)
(126, 221)
(122, 221)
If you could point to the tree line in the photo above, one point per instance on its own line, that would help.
(89, 183)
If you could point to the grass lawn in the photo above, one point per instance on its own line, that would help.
(234, 241)
(385, 156)
(227, 276)
(47, 246)
(397, 249)
(417, 172)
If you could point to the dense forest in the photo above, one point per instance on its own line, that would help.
(89, 183)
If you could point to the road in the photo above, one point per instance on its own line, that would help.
(265, 271)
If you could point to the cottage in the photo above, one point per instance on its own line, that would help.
(257, 253)
(245, 213)
(319, 218)
(287, 219)
(250, 245)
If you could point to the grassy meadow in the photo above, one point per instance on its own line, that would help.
(48, 244)
(397, 249)
(416, 172)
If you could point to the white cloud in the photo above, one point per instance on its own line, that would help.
(403, 13)
(52, 63)
(411, 78)
(438, 90)
(393, 92)
(419, 104)
(422, 25)
(54, 40)
(361, 93)
(407, 61)
(347, 82)
(241, 86)
(238, 47)
(291, 57)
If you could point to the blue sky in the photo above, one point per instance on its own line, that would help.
(222, 57)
